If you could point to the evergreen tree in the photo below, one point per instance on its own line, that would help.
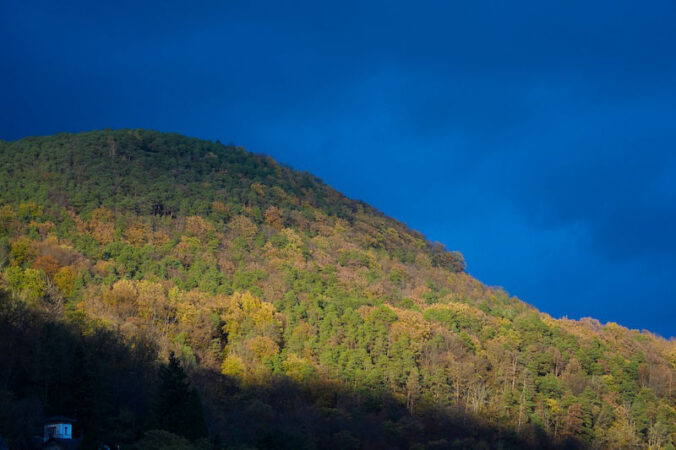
(178, 408)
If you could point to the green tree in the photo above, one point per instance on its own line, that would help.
(178, 408)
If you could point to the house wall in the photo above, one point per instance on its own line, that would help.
(61, 431)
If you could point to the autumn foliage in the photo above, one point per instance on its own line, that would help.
(263, 275)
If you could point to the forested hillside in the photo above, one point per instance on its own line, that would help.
(302, 319)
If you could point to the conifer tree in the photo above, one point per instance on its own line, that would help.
(178, 408)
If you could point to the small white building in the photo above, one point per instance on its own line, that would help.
(58, 427)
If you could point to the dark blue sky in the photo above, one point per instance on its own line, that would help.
(538, 138)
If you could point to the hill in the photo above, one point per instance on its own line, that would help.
(302, 319)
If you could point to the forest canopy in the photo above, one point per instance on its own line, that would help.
(272, 311)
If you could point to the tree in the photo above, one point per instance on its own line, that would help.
(178, 408)
(162, 440)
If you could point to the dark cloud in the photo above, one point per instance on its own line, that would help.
(536, 137)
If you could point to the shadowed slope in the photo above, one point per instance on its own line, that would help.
(62, 363)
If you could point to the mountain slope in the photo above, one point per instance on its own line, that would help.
(252, 270)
